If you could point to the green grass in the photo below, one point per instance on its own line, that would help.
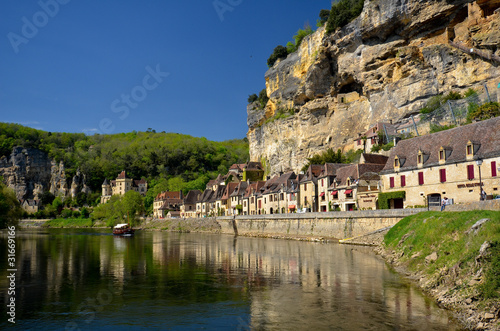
(417, 236)
(69, 223)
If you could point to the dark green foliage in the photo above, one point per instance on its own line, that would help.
(491, 286)
(452, 96)
(119, 209)
(142, 154)
(263, 98)
(342, 13)
(10, 208)
(280, 52)
(383, 198)
(252, 98)
(483, 112)
(436, 127)
(323, 17)
(328, 156)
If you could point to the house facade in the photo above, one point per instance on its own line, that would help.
(167, 201)
(454, 163)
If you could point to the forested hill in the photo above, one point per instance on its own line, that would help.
(182, 161)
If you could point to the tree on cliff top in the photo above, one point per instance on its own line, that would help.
(342, 13)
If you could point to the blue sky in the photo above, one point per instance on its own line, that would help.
(118, 66)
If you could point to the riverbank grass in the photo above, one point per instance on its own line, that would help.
(69, 223)
(456, 254)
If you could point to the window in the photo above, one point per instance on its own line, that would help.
(493, 169)
(403, 181)
(281, 196)
(270, 198)
(419, 159)
(259, 203)
(421, 178)
(396, 162)
(470, 150)
(305, 187)
(470, 171)
(244, 204)
(442, 175)
(442, 155)
(322, 182)
(391, 182)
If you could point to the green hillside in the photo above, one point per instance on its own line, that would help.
(181, 161)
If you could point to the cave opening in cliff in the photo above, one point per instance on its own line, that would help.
(351, 85)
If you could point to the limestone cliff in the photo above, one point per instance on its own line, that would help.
(30, 172)
(382, 66)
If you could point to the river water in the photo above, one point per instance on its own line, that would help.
(91, 280)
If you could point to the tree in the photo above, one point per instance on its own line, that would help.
(280, 52)
(132, 206)
(10, 208)
(323, 17)
(484, 112)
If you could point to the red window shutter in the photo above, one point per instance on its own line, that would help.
(391, 182)
(442, 175)
(421, 178)
(403, 181)
(470, 171)
(493, 169)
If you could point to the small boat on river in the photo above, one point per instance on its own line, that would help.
(123, 229)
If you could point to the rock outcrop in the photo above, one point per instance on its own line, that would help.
(30, 172)
(383, 66)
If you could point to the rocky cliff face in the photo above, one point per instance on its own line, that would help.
(382, 66)
(30, 172)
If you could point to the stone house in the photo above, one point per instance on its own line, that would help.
(309, 188)
(368, 190)
(370, 138)
(274, 193)
(235, 203)
(188, 208)
(344, 190)
(452, 163)
(167, 201)
(202, 205)
(250, 198)
(121, 185)
(31, 205)
(325, 180)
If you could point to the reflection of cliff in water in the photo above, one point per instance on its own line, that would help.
(284, 284)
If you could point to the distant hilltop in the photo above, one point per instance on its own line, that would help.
(382, 67)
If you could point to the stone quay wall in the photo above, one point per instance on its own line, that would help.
(331, 225)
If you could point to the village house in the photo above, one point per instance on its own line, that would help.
(31, 205)
(309, 189)
(203, 203)
(453, 163)
(236, 198)
(166, 202)
(250, 197)
(325, 180)
(344, 190)
(371, 137)
(274, 193)
(121, 185)
(188, 208)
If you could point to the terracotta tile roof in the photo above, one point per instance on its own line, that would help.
(169, 195)
(238, 167)
(485, 134)
(253, 188)
(122, 175)
(230, 187)
(192, 197)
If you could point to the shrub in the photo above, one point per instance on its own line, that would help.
(432, 104)
(263, 98)
(483, 112)
(470, 92)
(280, 52)
(437, 127)
(300, 35)
(383, 198)
(452, 96)
(342, 13)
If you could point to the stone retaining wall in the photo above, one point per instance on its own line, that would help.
(338, 225)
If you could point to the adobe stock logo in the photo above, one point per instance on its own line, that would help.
(223, 6)
(29, 29)
(138, 93)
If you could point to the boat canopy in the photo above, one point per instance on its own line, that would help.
(123, 225)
